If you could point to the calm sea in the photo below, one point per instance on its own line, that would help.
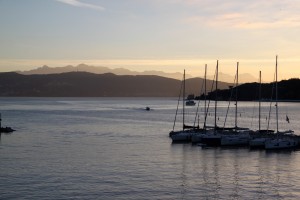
(111, 148)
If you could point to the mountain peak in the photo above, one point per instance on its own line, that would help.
(82, 65)
(45, 67)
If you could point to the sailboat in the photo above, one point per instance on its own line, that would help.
(260, 138)
(237, 136)
(212, 137)
(199, 133)
(281, 141)
(258, 142)
(185, 134)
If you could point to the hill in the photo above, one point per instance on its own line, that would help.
(288, 90)
(83, 84)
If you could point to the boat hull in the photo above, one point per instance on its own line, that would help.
(212, 140)
(196, 138)
(257, 142)
(234, 140)
(182, 136)
(280, 144)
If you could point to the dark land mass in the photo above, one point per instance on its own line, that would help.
(84, 84)
(288, 90)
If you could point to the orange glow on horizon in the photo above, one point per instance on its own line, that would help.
(287, 68)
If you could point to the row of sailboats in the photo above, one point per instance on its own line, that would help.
(236, 136)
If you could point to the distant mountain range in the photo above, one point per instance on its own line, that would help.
(84, 84)
(243, 78)
(99, 70)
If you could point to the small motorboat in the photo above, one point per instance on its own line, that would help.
(190, 103)
(6, 130)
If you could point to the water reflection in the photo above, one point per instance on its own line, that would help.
(260, 174)
(183, 174)
(108, 158)
(210, 173)
(204, 171)
(218, 173)
(236, 177)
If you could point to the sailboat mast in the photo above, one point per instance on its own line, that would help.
(276, 88)
(216, 101)
(259, 101)
(183, 102)
(236, 94)
(205, 74)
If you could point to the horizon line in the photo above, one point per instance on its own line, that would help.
(193, 66)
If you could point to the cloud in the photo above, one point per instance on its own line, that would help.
(244, 21)
(77, 3)
(254, 14)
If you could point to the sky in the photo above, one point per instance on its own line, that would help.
(164, 35)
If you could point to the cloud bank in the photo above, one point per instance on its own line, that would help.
(252, 14)
(77, 3)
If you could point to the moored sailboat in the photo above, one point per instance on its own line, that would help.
(282, 141)
(212, 137)
(237, 136)
(185, 134)
(258, 141)
(199, 133)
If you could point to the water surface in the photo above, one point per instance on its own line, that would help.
(111, 148)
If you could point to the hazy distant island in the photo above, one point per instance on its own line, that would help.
(85, 84)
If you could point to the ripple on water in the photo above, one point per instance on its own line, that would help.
(118, 151)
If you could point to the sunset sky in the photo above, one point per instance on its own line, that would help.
(165, 35)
